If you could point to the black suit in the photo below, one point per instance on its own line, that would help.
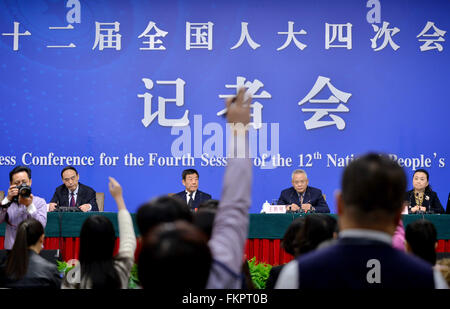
(432, 204)
(199, 198)
(86, 195)
(312, 196)
(41, 274)
(447, 210)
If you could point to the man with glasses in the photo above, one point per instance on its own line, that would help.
(20, 204)
(301, 197)
(73, 193)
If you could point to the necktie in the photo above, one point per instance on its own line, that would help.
(301, 199)
(72, 200)
(190, 201)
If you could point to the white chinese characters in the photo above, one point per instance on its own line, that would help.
(161, 112)
(337, 96)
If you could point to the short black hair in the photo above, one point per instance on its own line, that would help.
(373, 184)
(290, 242)
(69, 168)
(160, 210)
(19, 169)
(175, 255)
(208, 205)
(189, 171)
(316, 229)
(204, 220)
(421, 170)
(421, 236)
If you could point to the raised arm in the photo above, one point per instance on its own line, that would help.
(230, 228)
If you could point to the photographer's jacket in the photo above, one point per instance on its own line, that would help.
(18, 213)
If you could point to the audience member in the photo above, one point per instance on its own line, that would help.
(421, 240)
(289, 243)
(24, 267)
(160, 210)
(20, 204)
(398, 239)
(369, 209)
(99, 269)
(316, 229)
(204, 217)
(174, 255)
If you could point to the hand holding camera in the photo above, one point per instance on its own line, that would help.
(20, 194)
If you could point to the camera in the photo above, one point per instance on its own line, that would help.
(24, 191)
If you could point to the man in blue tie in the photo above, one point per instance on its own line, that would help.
(191, 194)
(303, 197)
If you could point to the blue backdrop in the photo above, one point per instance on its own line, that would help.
(90, 98)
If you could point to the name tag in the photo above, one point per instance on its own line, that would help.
(275, 209)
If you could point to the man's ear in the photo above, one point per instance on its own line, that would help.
(30, 182)
(183, 182)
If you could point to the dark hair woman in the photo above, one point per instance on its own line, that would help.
(24, 267)
(421, 240)
(421, 198)
(98, 268)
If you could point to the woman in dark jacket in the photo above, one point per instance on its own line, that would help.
(24, 267)
(421, 198)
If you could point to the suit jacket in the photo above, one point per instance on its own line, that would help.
(447, 210)
(312, 196)
(40, 274)
(432, 204)
(86, 195)
(199, 197)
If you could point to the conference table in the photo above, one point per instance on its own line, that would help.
(264, 236)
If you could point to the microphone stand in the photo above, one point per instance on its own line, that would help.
(61, 244)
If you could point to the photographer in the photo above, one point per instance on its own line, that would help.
(20, 204)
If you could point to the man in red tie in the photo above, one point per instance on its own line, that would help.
(72, 193)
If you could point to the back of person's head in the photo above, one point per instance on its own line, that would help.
(208, 205)
(421, 238)
(97, 241)
(316, 229)
(204, 220)
(373, 188)
(290, 238)
(160, 210)
(28, 234)
(174, 256)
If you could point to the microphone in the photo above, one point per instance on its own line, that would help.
(427, 198)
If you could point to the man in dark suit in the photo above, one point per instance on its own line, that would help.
(191, 194)
(73, 193)
(447, 210)
(302, 196)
